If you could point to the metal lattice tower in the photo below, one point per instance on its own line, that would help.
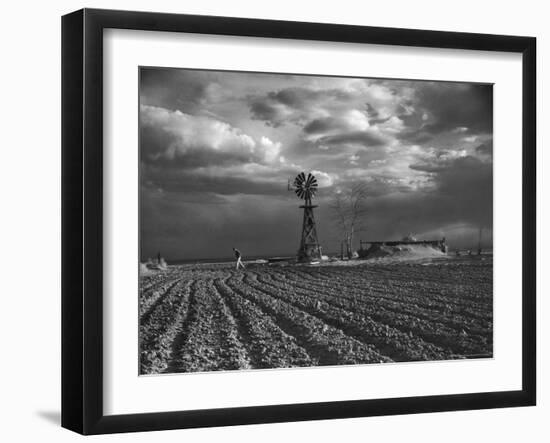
(305, 188)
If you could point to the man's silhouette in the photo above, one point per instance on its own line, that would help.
(238, 257)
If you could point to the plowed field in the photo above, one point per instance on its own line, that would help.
(212, 317)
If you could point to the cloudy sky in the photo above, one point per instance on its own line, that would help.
(217, 149)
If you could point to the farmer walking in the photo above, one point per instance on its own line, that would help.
(238, 257)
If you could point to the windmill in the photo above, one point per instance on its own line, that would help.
(305, 188)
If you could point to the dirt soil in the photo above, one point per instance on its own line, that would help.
(212, 317)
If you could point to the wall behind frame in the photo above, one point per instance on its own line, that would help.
(30, 171)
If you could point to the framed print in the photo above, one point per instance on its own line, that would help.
(271, 221)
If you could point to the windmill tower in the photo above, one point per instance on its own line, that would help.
(305, 188)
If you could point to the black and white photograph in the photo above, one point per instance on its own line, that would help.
(291, 221)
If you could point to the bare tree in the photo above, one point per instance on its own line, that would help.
(349, 207)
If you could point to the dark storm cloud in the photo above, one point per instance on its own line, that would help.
(466, 174)
(416, 136)
(173, 89)
(322, 125)
(341, 126)
(188, 230)
(460, 193)
(175, 180)
(459, 199)
(463, 105)
(448, 107)
(373, 114)
(302, 98)
(379, 185)
(263, 110)
(364, 138)
(485, 149)
(291, 104)
(153, 140)
(463, 189)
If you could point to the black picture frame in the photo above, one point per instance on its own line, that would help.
(82, 219)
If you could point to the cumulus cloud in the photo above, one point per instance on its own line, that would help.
(183, 140)
(324, 179)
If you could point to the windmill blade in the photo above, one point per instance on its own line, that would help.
(305, 186)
